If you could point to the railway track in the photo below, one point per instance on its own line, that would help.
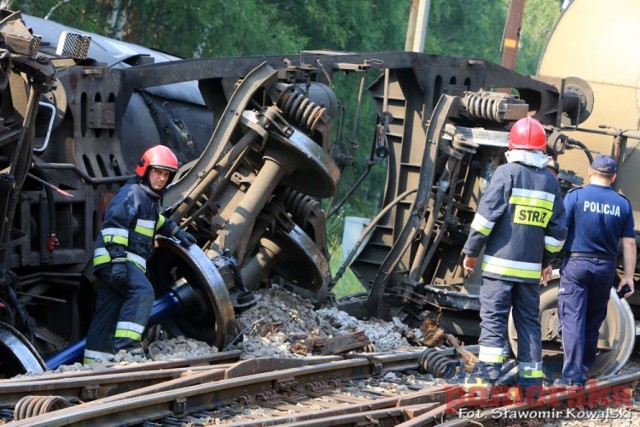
(95, 384)
(357, 389)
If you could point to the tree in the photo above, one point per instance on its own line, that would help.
(466, 28)
(118, 18)
(540, 17)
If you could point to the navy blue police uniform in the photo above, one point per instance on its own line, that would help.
(597, 217)
(521, 222)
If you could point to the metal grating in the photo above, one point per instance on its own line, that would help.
(74, 45)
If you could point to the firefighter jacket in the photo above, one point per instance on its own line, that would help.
(521, 222)
(130, 224)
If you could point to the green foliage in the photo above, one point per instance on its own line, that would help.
(466, 28)
(241, 27)
(358, 25)
(82, 14)
(538, 21)
(358, 135)
(348, 283)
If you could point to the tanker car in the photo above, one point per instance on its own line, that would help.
(259, 139)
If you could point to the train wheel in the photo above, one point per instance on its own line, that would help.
(17, 355)
(211, 316)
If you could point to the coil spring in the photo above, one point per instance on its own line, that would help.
(299, 205)
(30, 406)
(433, 362)
(484, 105)
(299, 109)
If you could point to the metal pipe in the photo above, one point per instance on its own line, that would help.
(45, 144)
(427, 231)
(82, 174)
(256, 268)
(371, 161)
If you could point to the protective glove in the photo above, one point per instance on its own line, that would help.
(186, 239)
(119, 273)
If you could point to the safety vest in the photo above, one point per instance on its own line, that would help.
(521, 221)
(130, 224)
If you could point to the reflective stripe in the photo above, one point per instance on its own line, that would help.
(533, 194)
(101, 256)
(530, 370)
(129, 330)
(522, 265)
(141, 262)
(92, 355)
(490, 354)
(123, 333)
(553, 245)
(116, 232)
(115, 235)
(482, 225)
(130, 326)
(161, 221)
(146, 223)
(145, 227)
(526, 201)
(532, 198)
(507, 267)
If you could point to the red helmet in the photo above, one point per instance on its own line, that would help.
(157, 156)
(527, 134)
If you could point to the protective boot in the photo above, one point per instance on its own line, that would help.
(483, 375)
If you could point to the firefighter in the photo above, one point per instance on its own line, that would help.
(520, 222)
(597, 218)
(124, 294)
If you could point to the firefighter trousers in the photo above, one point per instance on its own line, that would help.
(497, 298)
(585, 286)
(121, 314)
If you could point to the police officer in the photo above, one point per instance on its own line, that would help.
(597, 218)
(124, 294)
(520, 221)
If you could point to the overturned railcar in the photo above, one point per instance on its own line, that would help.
(257, 140)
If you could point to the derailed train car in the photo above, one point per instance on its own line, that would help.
(256, 139)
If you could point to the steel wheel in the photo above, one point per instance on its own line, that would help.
(212, 317)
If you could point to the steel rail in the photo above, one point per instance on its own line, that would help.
(208, 360)
(91, 385)
(193, 398)
(407, 405)
(99, 386)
